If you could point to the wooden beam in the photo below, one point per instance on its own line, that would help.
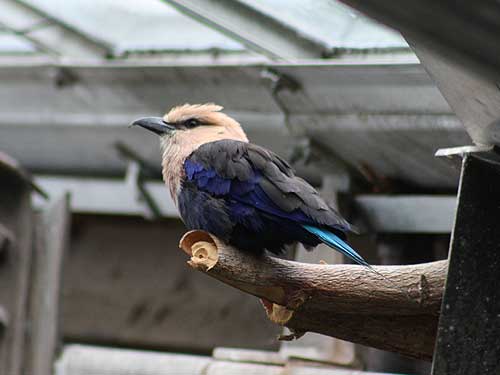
(124, 283)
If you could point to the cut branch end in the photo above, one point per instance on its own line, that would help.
(202, 249)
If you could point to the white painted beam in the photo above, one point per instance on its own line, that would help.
(408, 213)
(105, 196)
(385, 214)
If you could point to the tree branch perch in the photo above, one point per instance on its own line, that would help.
(397, 312)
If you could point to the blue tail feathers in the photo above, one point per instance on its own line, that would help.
(335, 242)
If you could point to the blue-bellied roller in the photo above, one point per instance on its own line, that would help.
(242, 193)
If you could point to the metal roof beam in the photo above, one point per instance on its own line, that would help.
(47, 34)
(256, 30)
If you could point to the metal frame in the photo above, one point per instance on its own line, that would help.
(256, 30)
(47, 34)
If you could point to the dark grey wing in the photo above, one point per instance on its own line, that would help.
(254, 176)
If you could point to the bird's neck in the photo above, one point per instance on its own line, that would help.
(177, 147)
(173, 158)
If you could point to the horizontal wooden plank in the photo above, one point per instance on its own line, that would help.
(126, 282)
(84, 360)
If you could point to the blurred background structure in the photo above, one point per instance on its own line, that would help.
(345, 99)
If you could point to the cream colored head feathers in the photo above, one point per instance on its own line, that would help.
(213, 124)
(195, 125)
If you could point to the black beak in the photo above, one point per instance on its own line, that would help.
(154, 124)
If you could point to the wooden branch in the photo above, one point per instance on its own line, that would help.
(397, 311)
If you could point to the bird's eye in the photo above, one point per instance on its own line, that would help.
(191, 123)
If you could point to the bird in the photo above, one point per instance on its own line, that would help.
(240, 192)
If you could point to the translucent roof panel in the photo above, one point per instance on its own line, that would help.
(332, 23)
(135, 25)
(13, 44)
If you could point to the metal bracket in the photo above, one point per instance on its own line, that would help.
(279, 82)
(456, 154)
(137, 168)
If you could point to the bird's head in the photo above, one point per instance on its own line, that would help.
(185, 128)
(193, 124)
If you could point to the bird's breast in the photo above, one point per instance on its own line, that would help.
(173, 168)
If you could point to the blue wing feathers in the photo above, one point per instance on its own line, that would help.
(246, 192)
(337, 243)
(257, 202)
(191, 168)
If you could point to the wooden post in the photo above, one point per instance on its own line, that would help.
(52, 241)
(16, 229)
